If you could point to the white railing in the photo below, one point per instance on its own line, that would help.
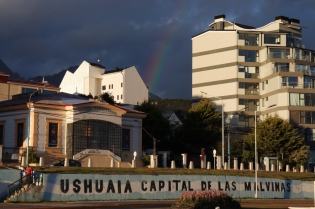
(96, 151)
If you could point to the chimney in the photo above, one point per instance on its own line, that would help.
(294, 22)
(282, 19)
(219, 20)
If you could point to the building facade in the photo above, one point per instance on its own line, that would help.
(125, 85)
(13, 86)
(62, 125)
(266, 70)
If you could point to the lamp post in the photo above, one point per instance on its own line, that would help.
(29, 121)
(222, 128)
(256, 167)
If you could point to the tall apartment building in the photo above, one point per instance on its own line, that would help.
(265, 69)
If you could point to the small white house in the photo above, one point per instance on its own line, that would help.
(125, 85)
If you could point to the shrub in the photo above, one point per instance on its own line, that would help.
(206, 199)
(32, 157)
(146, 159)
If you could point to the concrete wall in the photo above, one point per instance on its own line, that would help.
(7, 177)
(73, 187)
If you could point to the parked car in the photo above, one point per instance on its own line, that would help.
(62, 163)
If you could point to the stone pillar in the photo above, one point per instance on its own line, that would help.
(133, 164)
(41, 161)
(235, 163)
(302, 169)
(272, 167)
(66, 164)
(219, 162)
(164, 159)
(1, 155)
(287, 168)
(112, 164)
(184, 160)
(209, 165)
(225, 165)
(153, 161)
(23, 161)
(90, 163)
(173, 166)
(242, 166)
(191, 165)
(250, 166)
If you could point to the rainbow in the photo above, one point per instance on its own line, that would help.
(157, 63)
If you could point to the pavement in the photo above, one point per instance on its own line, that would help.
(156, 204)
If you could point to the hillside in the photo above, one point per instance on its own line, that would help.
(4, 68)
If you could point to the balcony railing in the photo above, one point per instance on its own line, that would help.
(280, 55)
(293, 69)
(298, 85)
(251, 92)
(251, 75)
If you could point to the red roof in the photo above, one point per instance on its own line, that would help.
(4, 74)
(18, 80)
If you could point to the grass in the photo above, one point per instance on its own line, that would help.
(177, 171)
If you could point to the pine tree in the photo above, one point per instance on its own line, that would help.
(276, 137)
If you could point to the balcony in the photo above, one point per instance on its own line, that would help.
(298, 85)
(251, 92)
(251, 75)
(279, 55)
(293, 69)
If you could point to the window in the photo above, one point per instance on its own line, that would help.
(262, 102)
(266, 99)
(104, 87)
(53, 135)
(250, 39)
(266, 82)
(1, 134)
(125, 139)
(20, 134)
(112, 86)
(120, 96)
(271, 39)
(294, 99)
(293, 81)
(250, 55)
(117, 97)
(281, 67)
(263, 85)
(241, 101)
(241, 118)
(109, 86)
(121, 85)
(241, 69)
(241, 85)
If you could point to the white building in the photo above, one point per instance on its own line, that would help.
(125, 85)
(266, 70)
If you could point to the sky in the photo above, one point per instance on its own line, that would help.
(44, 37)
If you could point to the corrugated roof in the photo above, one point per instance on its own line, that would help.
(18, 80)
(4, 74)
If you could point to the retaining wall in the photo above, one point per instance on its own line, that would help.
(83, 187)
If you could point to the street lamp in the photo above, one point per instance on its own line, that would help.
(256, 167)
(29, 121)
(222, 128)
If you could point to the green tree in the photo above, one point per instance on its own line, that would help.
(201, 128)
(156, 125)
(275, 137)
(108, 97)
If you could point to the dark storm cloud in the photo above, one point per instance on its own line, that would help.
(43, 37)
